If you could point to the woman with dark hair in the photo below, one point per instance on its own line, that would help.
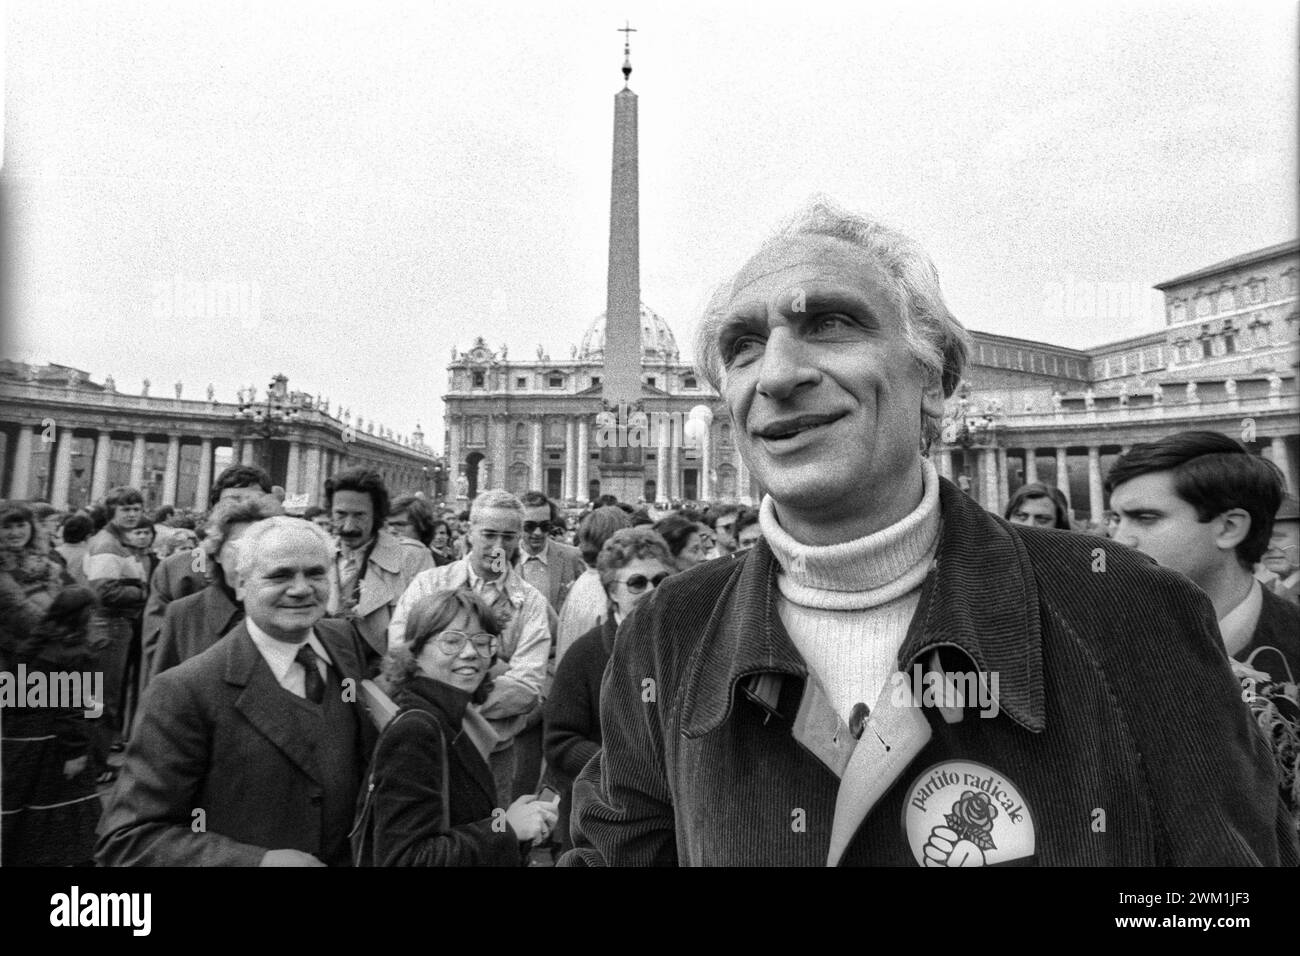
(50, 804)
(1040, 505)
(77, 530)
(633, 562)
(685, 540)
(586, 603)
(411, 517)
(440, 546)
(431, 797)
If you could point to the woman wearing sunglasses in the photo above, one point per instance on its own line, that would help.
(431, 799)
(632, 563)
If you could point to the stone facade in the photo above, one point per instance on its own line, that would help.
(66, 439)
(1027, 410)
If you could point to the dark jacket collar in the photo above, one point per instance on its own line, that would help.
(221, 605)
(980, 598)
(434, 696)
(608, 629)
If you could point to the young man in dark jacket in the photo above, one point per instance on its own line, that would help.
(117, 576)
(892, 675)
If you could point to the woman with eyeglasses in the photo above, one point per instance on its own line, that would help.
(632, 563)
(431, 799)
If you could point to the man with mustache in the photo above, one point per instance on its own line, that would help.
(372, 567)
(824, 699)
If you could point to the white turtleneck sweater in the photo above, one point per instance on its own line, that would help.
(847, 607)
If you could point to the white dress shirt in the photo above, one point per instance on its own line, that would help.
(279, 656)
(1238, 626)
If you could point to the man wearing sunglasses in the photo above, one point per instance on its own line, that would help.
(496, 524)
(550, 566)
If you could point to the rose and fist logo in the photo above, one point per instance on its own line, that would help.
(966, 835)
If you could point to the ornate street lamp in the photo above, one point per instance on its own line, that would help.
(968, 430)
(270, 417)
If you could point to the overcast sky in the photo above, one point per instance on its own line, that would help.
(377, 182)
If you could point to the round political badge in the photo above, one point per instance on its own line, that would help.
(962, 813)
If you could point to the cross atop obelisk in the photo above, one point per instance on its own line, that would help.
(627, 30)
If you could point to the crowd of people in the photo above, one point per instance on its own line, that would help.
(393, 682)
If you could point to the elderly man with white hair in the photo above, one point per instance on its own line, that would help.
(252, 752)
(891, 675)
(496, 523)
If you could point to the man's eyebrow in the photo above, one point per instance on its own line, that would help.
(831, 300)
(1140, 509)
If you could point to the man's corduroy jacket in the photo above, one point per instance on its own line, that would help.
(1120, 736)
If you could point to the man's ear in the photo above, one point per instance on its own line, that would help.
(1233, 526)
(932, 399)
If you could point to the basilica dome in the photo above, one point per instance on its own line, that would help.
(657, 341)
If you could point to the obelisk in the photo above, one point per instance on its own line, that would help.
(621, 468)
(622, 376)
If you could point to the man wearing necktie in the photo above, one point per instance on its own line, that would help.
(373, 567)
(252, 752)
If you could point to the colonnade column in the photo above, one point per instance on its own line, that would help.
(1031, 465)
(62, 468)
(570, 460)
(173, 471)
(1063, 474)
(292, 471)
(136, 479)
(535, 465)
(943, 462)
(674, 470)
(204, 486)
(663, 439)
(584, 457)
(1278, 448)
(988, 479)
(313, 482)
(454, 456)
(706, 465)
(742, 477)
(1004, 480)
(22, 469)
(99, 474)
(1095, 494)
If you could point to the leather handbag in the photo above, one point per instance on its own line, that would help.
(362, 836)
